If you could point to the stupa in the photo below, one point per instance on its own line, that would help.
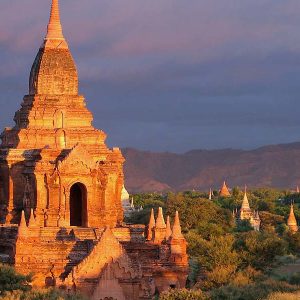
(224, 191)
(60, 193)
(246, 213)
(292, 222)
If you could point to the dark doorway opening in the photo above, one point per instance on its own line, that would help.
(78, 205)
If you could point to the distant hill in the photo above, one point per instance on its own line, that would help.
(270, 166)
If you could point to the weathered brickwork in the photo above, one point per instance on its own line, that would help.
(53, 73)
(60, 195)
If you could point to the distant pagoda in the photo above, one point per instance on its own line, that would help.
(224, 192)
(292, 222)
(246, 213)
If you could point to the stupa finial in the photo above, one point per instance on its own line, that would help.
(54, 30)
(245, 203)
(151, 225)
(160, 221)
(176, 232)
(32, 221)
(168, 229)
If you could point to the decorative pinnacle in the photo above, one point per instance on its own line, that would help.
(151, 225)
(31, 222)
(160, 221)
(245, 204)
(22, 229)
(152, 220)
(23, 223)
(54, 30)
(176, 232)
(168, 229)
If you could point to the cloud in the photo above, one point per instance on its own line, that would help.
(159, 72)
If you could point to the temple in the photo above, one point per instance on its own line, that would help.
(246, 213)
(60, 194)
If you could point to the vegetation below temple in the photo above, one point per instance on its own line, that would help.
(14, 286)
(228, 259)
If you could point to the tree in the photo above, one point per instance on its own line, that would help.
(259, 250)
(10, 280)
(183, 294)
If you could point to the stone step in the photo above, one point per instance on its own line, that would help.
(85, 233)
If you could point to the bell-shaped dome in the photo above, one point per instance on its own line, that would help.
(54, 71)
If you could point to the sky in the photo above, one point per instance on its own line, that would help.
(169, 75)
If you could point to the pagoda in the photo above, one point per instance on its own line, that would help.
(60, 194)
(224, 191)
(246, 213)
(53, 160)
(292, 222)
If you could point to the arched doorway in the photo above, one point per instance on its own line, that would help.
(78, 205)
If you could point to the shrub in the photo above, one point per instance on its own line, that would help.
(260, 290)
(295, 278)
(182, 294)
(246, 276)
(10, 280)
(39, 295)
(284, 296)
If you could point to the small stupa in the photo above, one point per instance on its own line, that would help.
(292, 222)
(246, 213)
(224, 192)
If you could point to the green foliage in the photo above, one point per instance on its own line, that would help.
(182, 294)
(260, 249)
(11, 281)
(40, 295)
(293, 241)
(199, 213)
(284, 296)
(243, 226)
(254, 291)
(295, 279)
(149, 200)
(14, 286)
(270, 221)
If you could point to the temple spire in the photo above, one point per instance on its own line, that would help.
(23, 229)
(151, 225)
(160, 221)
(23, 223)
(176, 232)
(168, 230)
(210, 194)
(32, 221)
(292, 222)
(54, 30)
(245, 204)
